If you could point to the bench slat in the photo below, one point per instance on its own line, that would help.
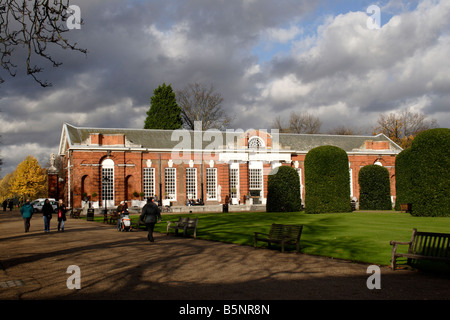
(184, 224)
(282, 234)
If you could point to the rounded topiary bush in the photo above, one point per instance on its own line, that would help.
(430, 179)
(374, 188)
(283, 190)
(327, 180)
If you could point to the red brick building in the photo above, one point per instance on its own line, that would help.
(111, 165)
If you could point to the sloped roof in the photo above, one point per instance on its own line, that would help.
(78, 137)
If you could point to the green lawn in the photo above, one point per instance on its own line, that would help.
(358, 236)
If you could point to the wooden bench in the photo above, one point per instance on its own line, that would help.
(407, 207)
(423, 245)
(183, 224)
(282, 234)
(110, 217)
(75, 214)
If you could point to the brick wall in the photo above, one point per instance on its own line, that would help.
(85, 174)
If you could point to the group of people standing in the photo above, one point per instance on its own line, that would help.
(27, 212)
(8, 203)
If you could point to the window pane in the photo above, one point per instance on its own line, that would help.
(255, 179)
(170, 178)
(211, 183)
(234, 181)
(107, 183)
(191, 183)
(149, 182)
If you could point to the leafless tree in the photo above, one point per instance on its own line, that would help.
(402, 127)
(34, 26)
(303, 122)
(345, 131)
(201, 103)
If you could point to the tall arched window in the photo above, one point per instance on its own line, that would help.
(108, 182)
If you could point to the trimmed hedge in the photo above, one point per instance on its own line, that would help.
(374, 188)
(283, 190)
(327, 180)
(429, 165)
(403, 178)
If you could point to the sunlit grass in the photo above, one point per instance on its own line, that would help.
(358, 236)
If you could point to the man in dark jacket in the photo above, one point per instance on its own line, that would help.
(150, 215)
(47, 211)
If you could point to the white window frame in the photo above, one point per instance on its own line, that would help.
(191, 183)
(234, 179)
(170, 183)
(211, 183)
(108, 188)
(148, 180)
(256, 166)
(299, 171)
(350, 171)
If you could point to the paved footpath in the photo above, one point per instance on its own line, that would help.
(115, 265)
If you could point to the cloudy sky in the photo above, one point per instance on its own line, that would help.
(266, 57)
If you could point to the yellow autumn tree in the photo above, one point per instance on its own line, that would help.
(5, 187)
(29, 179)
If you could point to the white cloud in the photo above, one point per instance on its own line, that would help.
(282, 35)
(340, 70)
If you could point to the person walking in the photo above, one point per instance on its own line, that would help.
(150, 215)
(27, 212)
(120, 209)
(61, 215)
(47, 211)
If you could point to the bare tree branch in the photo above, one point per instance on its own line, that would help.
(303, 122)
(201, 103)
(33, 25)
(404, 126)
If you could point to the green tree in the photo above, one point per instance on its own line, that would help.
(403, 178)
(430, 163)
(283, 190)
(327, 180)
(164, 112)
(375, 188)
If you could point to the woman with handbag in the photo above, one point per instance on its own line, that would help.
(61, 210)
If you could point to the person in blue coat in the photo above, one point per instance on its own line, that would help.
(27, 212)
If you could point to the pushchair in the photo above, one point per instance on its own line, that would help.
(125, 222)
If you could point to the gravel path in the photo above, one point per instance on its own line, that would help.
(116, 265)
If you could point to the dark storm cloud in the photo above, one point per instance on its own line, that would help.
(340, 72)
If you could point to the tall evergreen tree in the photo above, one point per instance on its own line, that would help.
(164, 112)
